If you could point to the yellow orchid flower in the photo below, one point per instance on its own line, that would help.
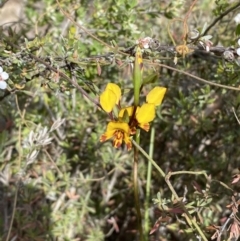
(120, 132)
(110, 97)
(125, 123)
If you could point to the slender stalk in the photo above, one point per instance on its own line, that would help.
(137, 80)
(19, 165)
(135, 187)
(148, 185)
(150, 159)
(13, 213)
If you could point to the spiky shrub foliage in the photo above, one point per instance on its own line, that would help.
(58, 182)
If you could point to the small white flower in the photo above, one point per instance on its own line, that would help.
(193, 34)
(237, 18)
(144, 42)
(228, 55)
(3, 76)
(3, 85)
(239, 42)
(238, 51)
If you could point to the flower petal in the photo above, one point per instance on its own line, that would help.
(155, 96)
(145, 126)
(119, 132)
(4, 75)
(119, 126)
(108, 100)
(128, 142)
(128, 109)
(146, 113)
(115, 89)
(3, 85)
(112, 127)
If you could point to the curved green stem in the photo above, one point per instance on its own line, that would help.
(148, 185)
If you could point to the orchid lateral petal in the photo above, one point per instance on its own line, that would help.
(155, 96)
(146, 113)
(128, 109)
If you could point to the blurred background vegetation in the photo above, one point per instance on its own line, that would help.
(58, 182)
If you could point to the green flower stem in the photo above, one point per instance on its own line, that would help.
(135, 187)
(148, 185)
(190, 220)
(137, 77)
(149, 158)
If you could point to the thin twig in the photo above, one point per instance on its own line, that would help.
(52, 161)
(220, 17)
(235, 115)
(198, 78)
(81, 90)
(225, 224)
(187, 172)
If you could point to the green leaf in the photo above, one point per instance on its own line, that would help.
(125, 116)
(132, 3)
(237, 31)
(151, 78)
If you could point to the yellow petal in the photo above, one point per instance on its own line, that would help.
(155, 96)
(146, 113)
(108, 134)
(119, 132)
(145, 126)
(118, 138)
(115, 89)
(128, 109)
(108, 100)
(113, 126)
(128, 142)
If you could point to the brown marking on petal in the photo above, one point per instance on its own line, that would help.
(146, 126)
(133, 130)
(117, 142)
(103, 138)
(133, 126)
(119, 135)
(129, 146)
